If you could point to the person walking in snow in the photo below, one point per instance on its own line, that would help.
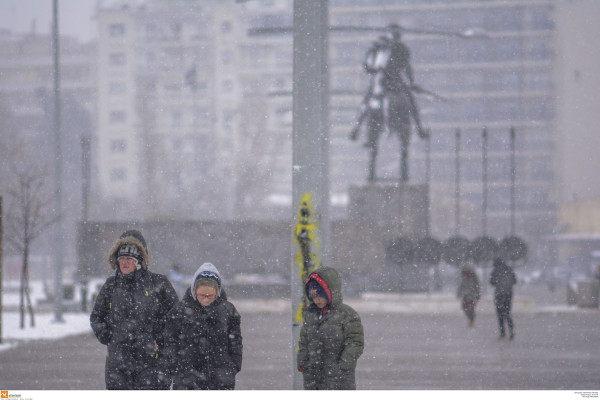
(203, 335)
(503, 278)
(129, 316)
(331, 337)
(469, 291)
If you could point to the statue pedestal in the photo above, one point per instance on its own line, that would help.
(379, 213)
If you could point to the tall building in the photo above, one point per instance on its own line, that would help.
(195, 121)
(27, 95)
(167, 108)
(499, 82)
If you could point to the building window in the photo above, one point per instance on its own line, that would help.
(201, 30)
(117, 59)
(542, 19)
(540, 80)
(227, 57)
(227, 85)
(540, 50)
(176, 119)
(117, 117)
(116, 87)
(151, 31)
(116, 30)
(226, 27)
(118, 146)
(118, 175)
(541, 110)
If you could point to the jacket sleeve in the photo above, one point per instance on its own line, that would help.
(171, 338)
(234, 336)
(354, 342)
(167, 302)
(302, 356)
(99, 318)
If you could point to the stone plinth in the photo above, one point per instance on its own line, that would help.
(379, 213)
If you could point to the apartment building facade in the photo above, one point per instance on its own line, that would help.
(165, 139)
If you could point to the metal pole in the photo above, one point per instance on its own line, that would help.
(85, 175)
(428, 179)
(457, 186)
(512, 180)
(85, 190)
(1, 271)
(484, 196)
(58, 170)
(310, 165)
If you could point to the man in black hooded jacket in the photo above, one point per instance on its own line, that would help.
(503, 278)
(129, 317)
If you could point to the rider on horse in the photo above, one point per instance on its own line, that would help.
(388, 64)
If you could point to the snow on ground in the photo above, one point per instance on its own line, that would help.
(45, 327)
(78, 322)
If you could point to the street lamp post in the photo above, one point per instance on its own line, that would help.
(58, 259)
(310, 166)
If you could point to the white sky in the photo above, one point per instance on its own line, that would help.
(75, 17)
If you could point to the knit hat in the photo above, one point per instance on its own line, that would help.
(132, 244)
(314, 289)
(207, 272)
(130, 250)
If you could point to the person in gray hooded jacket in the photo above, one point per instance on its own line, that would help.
(331, 337)
(203, 335)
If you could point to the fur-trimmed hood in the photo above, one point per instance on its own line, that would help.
(128, 237)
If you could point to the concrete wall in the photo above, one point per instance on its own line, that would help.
(248, 247)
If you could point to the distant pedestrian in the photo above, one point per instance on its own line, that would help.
(129, 316)
(503, 278)
(331, 337)
(203, 335)
(469, 291)
(177, 280)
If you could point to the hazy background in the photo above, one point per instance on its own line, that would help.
(75, 17)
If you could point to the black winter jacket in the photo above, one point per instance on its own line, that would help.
(503, 278)
(203, 344)
(129, 317)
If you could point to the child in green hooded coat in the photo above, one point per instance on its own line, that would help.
(331, 337)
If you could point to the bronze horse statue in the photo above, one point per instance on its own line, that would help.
(389, 104)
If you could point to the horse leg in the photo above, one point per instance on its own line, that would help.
(373, 153)
(404, 141)
(375, 127)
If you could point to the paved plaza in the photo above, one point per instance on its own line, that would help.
(416, 342)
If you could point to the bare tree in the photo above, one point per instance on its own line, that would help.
(25, 220)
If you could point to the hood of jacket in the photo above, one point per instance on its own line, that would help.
(206, 267)
(329, 278)
(128, 237)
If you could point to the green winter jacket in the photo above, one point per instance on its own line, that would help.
(331, 340)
